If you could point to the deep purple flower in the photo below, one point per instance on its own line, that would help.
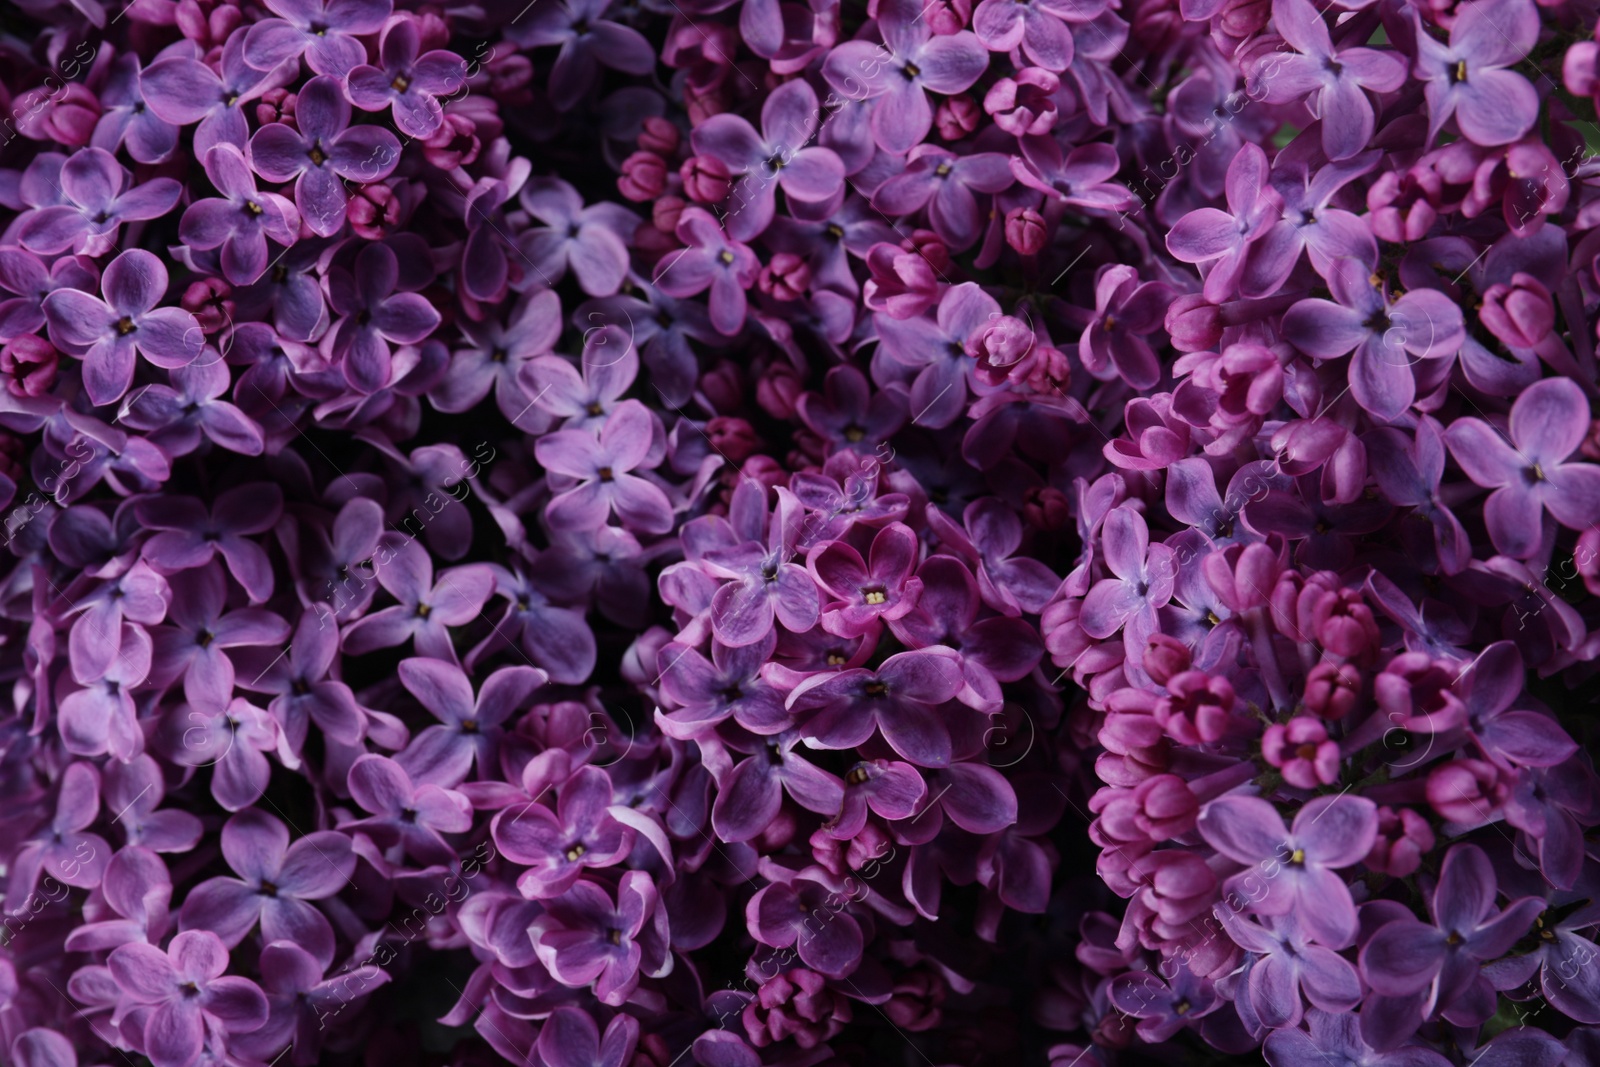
(1078, 178)
(495, 355)
(407, 83)
(276, 879)
(322, 151)
(427, 607)
(584, 939)
(570, 1038)
(127, 121)
(325, 31)
(751, 794)
(185, 91)
(191, 648)
(1037, 27)
(1126, 311)
(714, 261)
(587, 40)
(1337, 1036)
(902, 698)
(375, 316)
(1467, 79)
(1407, 956)
(558, 845)
(190, 535)
(1162, 1009)
(97, 197)
(1288, 964)
(241, 220)
(107, 333)
(1388, 337)
(470, 726)
(710, 691)
(1143, 583)
(590, 241)
(415, 817)
(62, 850)
(1223, 238)
(811, 914)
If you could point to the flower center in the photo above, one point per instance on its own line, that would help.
(1458, 73)
(575, 853)
(875, 596)
(400, 84)
(725, 257)
(125, 326)
(606, 474)
(316, 155)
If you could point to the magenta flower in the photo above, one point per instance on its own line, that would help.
(191, 1001)
(191, 648)
(106, 334)
(570, 1038)
(867, 594)
(1145, 575)
(809, 913)
(902, 698)
(751, 794)
(1223, 238)
(1527, 465)
(185, 91)
(374, 317)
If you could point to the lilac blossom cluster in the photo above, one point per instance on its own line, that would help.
(600, 534)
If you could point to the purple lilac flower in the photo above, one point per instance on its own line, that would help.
(184, 91)
(601, 467)
(899, 73)
(780, 155)
(714, 261)
(190, 535)
(108, 333)
(587, 40)
(584, 939)
(590, 241)
(189, 999)
(241, 220)
(276, 881)
(322, 151)
(97, 198)
(557, 846)
(1467, 80)
(407, 83)
(1526, 465)
(324, 31)
(414, 817)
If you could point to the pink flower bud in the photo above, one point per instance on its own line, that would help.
(705, 179)
(902, 285)
(1001, 343)
(454, 144)
(1301, 750)
(659, 135)
(1414, 693)
(1521, 314)
(786, 278)
(1023, 105)
(1194, 323)
(1332, 690)
(732, 437)
(1025, 230)
(374, 211)
(1466, 791)
(946, 17)
(644, 176)
(1404, 837)
(275, 105)
(957, 116)
(779, 389)
(1164, 657)
(1046, 508)
(664, 213)
(31, 363)
(1197, 709)
(210, 300)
